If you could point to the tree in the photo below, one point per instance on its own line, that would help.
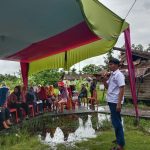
(139, 47)
(133, 46)
(73, 70)
(10, 80)
(107, 58)
(46, 77)
(148, 49)
(91, 69)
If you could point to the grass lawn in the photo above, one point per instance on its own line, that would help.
(137, 137)
(21, 143)
(135, 140)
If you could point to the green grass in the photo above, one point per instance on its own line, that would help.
(21, 142)
(137, 137)
(135, 140)
(101, 97)
(141, 105)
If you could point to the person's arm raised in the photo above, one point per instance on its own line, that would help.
(105, 79)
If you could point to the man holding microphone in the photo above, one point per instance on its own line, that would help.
(115, 97)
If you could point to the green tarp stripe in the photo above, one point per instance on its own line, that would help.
(102, 21)
(73, 56)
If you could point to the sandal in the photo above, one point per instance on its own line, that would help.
(116, 148)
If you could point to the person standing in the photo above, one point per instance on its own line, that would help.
(115, 97)
(92, 86)
(83, 94)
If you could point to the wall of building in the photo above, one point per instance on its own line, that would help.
(143, 89)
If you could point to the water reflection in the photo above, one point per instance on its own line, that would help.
(101, 119)
(58, 137)
(83, 132)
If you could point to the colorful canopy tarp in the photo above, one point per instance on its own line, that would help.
(43, 34)
(56, 33)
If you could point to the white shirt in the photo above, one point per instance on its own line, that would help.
(115, 81)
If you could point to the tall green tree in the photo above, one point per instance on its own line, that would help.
(91, 69)
(73, 70)
(10, 80)
(46, 77)
(133, 46)
(109, 55)
(148, 48)
(139, 47)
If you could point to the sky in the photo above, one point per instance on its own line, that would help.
(139, 26)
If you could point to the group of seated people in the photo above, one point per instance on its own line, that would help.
(41, 97)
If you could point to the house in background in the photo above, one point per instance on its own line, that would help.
(141, 60)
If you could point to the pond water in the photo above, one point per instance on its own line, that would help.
(73, 128)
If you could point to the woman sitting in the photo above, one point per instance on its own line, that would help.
(15, 101)
(52, 95)
(42, 96)
(62, 97)
(32, 99)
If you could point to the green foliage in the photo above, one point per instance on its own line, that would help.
(107, 58)
(148, 48)
(140, 47)
(73, 71)
(134, 140)
(46, 77)
(21, 141)
(91, 69)
(10, 80)
(25, 135)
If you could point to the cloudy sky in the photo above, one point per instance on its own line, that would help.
(139, 25)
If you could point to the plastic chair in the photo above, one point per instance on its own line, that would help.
(13, 110)
(32, 110)
(38, 106)
(67, 104)
(62, 105)
(75, 102)
(93, 100)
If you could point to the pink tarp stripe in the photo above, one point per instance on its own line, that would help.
(24, 72)
(74, 37)
(131, 69)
